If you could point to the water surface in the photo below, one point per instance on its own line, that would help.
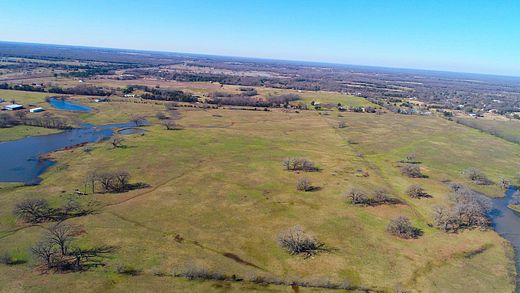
(507, 223)
(66, 105)
(20, 159)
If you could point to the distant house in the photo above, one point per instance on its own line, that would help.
(36, 110)
(13, 107)
(129, 96)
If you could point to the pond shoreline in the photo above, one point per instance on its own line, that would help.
(506, 222)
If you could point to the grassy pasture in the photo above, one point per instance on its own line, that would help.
(219, 194)
(505, 129)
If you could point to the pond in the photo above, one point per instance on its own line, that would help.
(21, 159)
(507, 223)
(63, 104)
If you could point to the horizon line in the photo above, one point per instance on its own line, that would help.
(316, 62)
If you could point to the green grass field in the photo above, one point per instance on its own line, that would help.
(219, 185)
(508, 129)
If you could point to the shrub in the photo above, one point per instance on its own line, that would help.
(357, 197)
(401, 227)
(303, 184)
(200, 273)
(342, 124)
(416, 191)
(8, 259)
(127, 270)
(411, 170)
(296, 241)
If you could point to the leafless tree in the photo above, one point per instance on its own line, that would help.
(402, 228)
(411, 170)
(121, 179)
(357, 196)
(416, 191)
(170, 124)
(62, 234)
(35, 210)
(296, 241)
(44, 251)
(161, 116)
(139, 120)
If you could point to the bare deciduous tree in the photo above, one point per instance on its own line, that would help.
(416, 191)
(357, 196)
(296, 241)
(44, 252)
(34, 210)
(402, 228)
(170, 124)
(139, 120)
(62, 234)
(411, 170)
(161, 116)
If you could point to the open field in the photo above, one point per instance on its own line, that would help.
(508, 129)
(18, 132)
(219, 196)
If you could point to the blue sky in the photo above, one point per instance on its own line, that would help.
(459, 35)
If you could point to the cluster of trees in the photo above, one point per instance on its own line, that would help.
(56, 250)
(469, 209)
(46, 120)
(22, 87)
(381, 196)
(110, 182)
(296, 241)
(248, 91)
(155, 93)
(83, 89)
(38, 210)
(241, 100)
(299, 164)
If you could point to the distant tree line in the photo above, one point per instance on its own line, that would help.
(46, 120)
